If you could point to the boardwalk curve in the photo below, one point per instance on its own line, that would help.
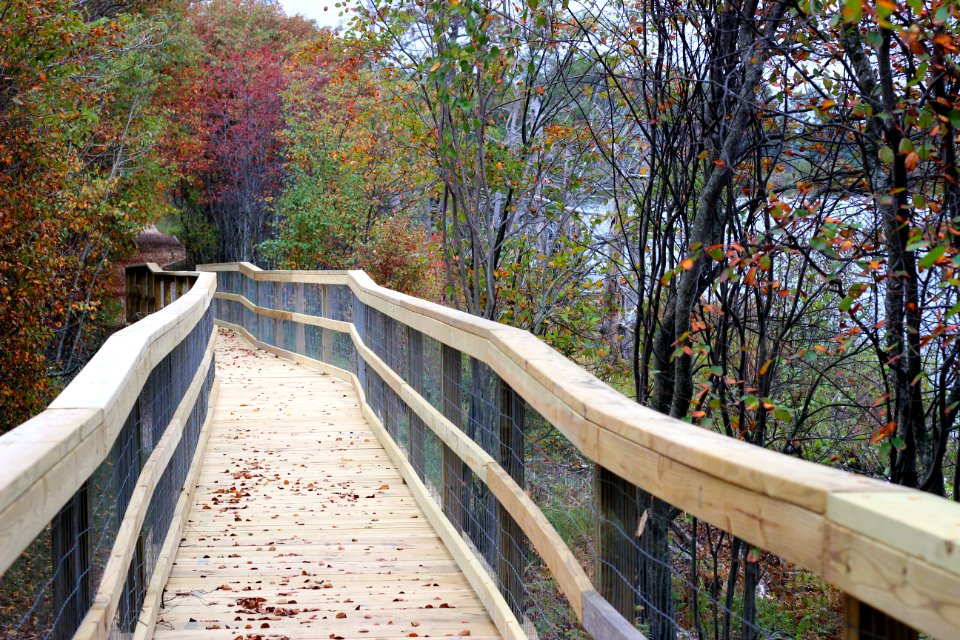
(301, 526)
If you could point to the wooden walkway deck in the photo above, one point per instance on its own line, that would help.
(301, 527)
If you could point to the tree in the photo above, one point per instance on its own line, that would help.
(232, 104)
(79, 126)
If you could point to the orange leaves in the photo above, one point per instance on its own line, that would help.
(911, 161)
(883, 432)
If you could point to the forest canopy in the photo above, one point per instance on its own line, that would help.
(741, 213)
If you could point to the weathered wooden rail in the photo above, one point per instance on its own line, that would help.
(150, 288)
(96, 488)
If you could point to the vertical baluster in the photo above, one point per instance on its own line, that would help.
(327, 339)
(387, 355)
(129, 283)
(144, 288)
(617, 558)
(863, 622)
(156, 300)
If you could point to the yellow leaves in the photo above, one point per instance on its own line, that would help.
(436, 65)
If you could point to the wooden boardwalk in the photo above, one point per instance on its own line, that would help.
(301, 526)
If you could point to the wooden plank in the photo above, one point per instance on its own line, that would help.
(911, 590)
(282, 519)
(97, 622)
(616, 432)
(601, 620)
(902, 521)
(475, 573)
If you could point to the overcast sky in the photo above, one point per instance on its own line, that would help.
(325, 12)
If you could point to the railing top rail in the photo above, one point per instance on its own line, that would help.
(48, 457)
(155, 268)
(886, 545)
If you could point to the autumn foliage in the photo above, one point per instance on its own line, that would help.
(78, 125)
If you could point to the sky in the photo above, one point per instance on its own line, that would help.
(315, 9)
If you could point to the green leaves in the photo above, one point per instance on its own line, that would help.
(852, 10)
(932, 256)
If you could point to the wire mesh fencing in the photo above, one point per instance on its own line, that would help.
(50, 588)
(666, 572)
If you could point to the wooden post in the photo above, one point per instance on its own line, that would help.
(415, 367)
(144, 288)
(298, 307)
(156, 300)
(616, 564)
(863, 622)
(72, 560)
(327, 339)
(510, 538)
(453, 467)
(386, 331)
(132, 300)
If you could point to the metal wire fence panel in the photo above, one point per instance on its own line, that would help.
(344, 352)
(289, 333)
(341, 301)
(50, 588)
(286, 296)
(264, 332)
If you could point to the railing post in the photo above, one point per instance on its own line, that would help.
(156, 301)
(863, 622)
(510, 538)
(129, 281)
(144, 287)
(386, 333)
(616, 564)
(415, 367)
(72, 559)
(327, 339)
(301, 337)
(452, 472)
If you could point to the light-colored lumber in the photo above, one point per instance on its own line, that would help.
(290, 500)
(98, 620)
(35, 482)
(776, 502)
(475, 573)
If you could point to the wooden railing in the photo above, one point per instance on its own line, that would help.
(150, 288)
(895, 553)
(87, 487)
